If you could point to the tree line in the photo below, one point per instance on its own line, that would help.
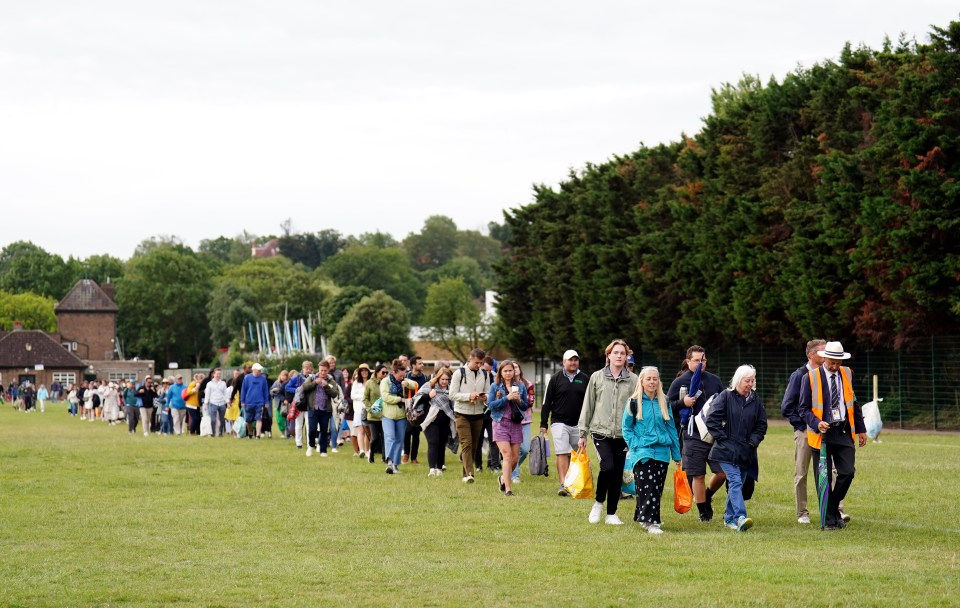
(180, 304)
(826, 204)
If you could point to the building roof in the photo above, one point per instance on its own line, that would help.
(86, 296)
(27, 348)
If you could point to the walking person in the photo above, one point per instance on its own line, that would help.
(371, 393)
(357, 388)
(215, 396)
(790, 408)
(563, 401)
(525, 424)
(318, 395)
(507, 400)
(42, 396)
(601, 419)
(830, 408)
(738, 423)
(254, 394)
(469, 387)
(392, 391)
(440, 424)
(132, 412)
(178, 408)
(411, 438)
(651, 436)
(147, 395)
(695, 451)
(192, 402)
(299, 417)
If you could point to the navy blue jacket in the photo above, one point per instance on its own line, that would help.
(790, 406)
(738, 426)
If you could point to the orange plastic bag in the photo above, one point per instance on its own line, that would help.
(682, 495)
(579, 479)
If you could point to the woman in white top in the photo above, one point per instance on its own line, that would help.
(360, 377)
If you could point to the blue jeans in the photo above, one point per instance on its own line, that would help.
(217, 412)
(393, 432)
(736, 508)
(166, 422)
(318, 421)
(524, 450)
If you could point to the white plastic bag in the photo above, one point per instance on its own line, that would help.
(871, 419)
(206, 426)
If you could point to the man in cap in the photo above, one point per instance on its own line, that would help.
(832, 413)
(564, 400)
(254, 394)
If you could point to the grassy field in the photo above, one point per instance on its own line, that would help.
(92, 516)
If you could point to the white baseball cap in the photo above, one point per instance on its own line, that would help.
(570, 354)
(257, 366)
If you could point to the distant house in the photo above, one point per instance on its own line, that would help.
(268, 250)
(84, 346)
(37, 357)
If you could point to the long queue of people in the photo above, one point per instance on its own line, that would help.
(636, 426)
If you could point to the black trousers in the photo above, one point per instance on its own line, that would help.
(133, 416)
(376, 437)
(493, 453)
(437, 435)
(266, 422)
(613, 455)
(842, 456)
(193, 417)
(411, 441)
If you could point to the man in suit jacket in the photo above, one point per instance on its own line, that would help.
(832, 414)
(790, 408)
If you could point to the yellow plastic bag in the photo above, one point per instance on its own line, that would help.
(579, 479)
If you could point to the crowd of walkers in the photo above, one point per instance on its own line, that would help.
(636, 426)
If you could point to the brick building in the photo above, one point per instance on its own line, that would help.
(87, 321)
(37, 357)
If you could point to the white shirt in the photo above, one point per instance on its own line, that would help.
(843, 410)
(216, 393)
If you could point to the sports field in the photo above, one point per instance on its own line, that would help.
(92, 516)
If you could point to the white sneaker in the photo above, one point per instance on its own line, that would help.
(309, 451)
(432, 473)
(596, 512)
(803, 519)
(145, 434)
(466, 479)
(439, 472)
(654, 529)
(323, 454)
(334, 450)
(613, 520)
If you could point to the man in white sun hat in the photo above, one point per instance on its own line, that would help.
(832, 413)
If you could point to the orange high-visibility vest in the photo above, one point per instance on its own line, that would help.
(814, 438)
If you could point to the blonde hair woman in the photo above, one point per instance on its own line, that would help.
(651, 435)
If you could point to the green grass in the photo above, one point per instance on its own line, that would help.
(94, 517)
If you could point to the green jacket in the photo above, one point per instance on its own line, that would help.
(371, 392)
(393, 407)
(604, 402)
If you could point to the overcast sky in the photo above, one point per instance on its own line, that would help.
(122, 120)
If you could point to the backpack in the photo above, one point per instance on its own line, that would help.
(417, 412)
(298, 397)
(699, 422)
(539, 450)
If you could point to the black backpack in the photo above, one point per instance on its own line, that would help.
(417, 412)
